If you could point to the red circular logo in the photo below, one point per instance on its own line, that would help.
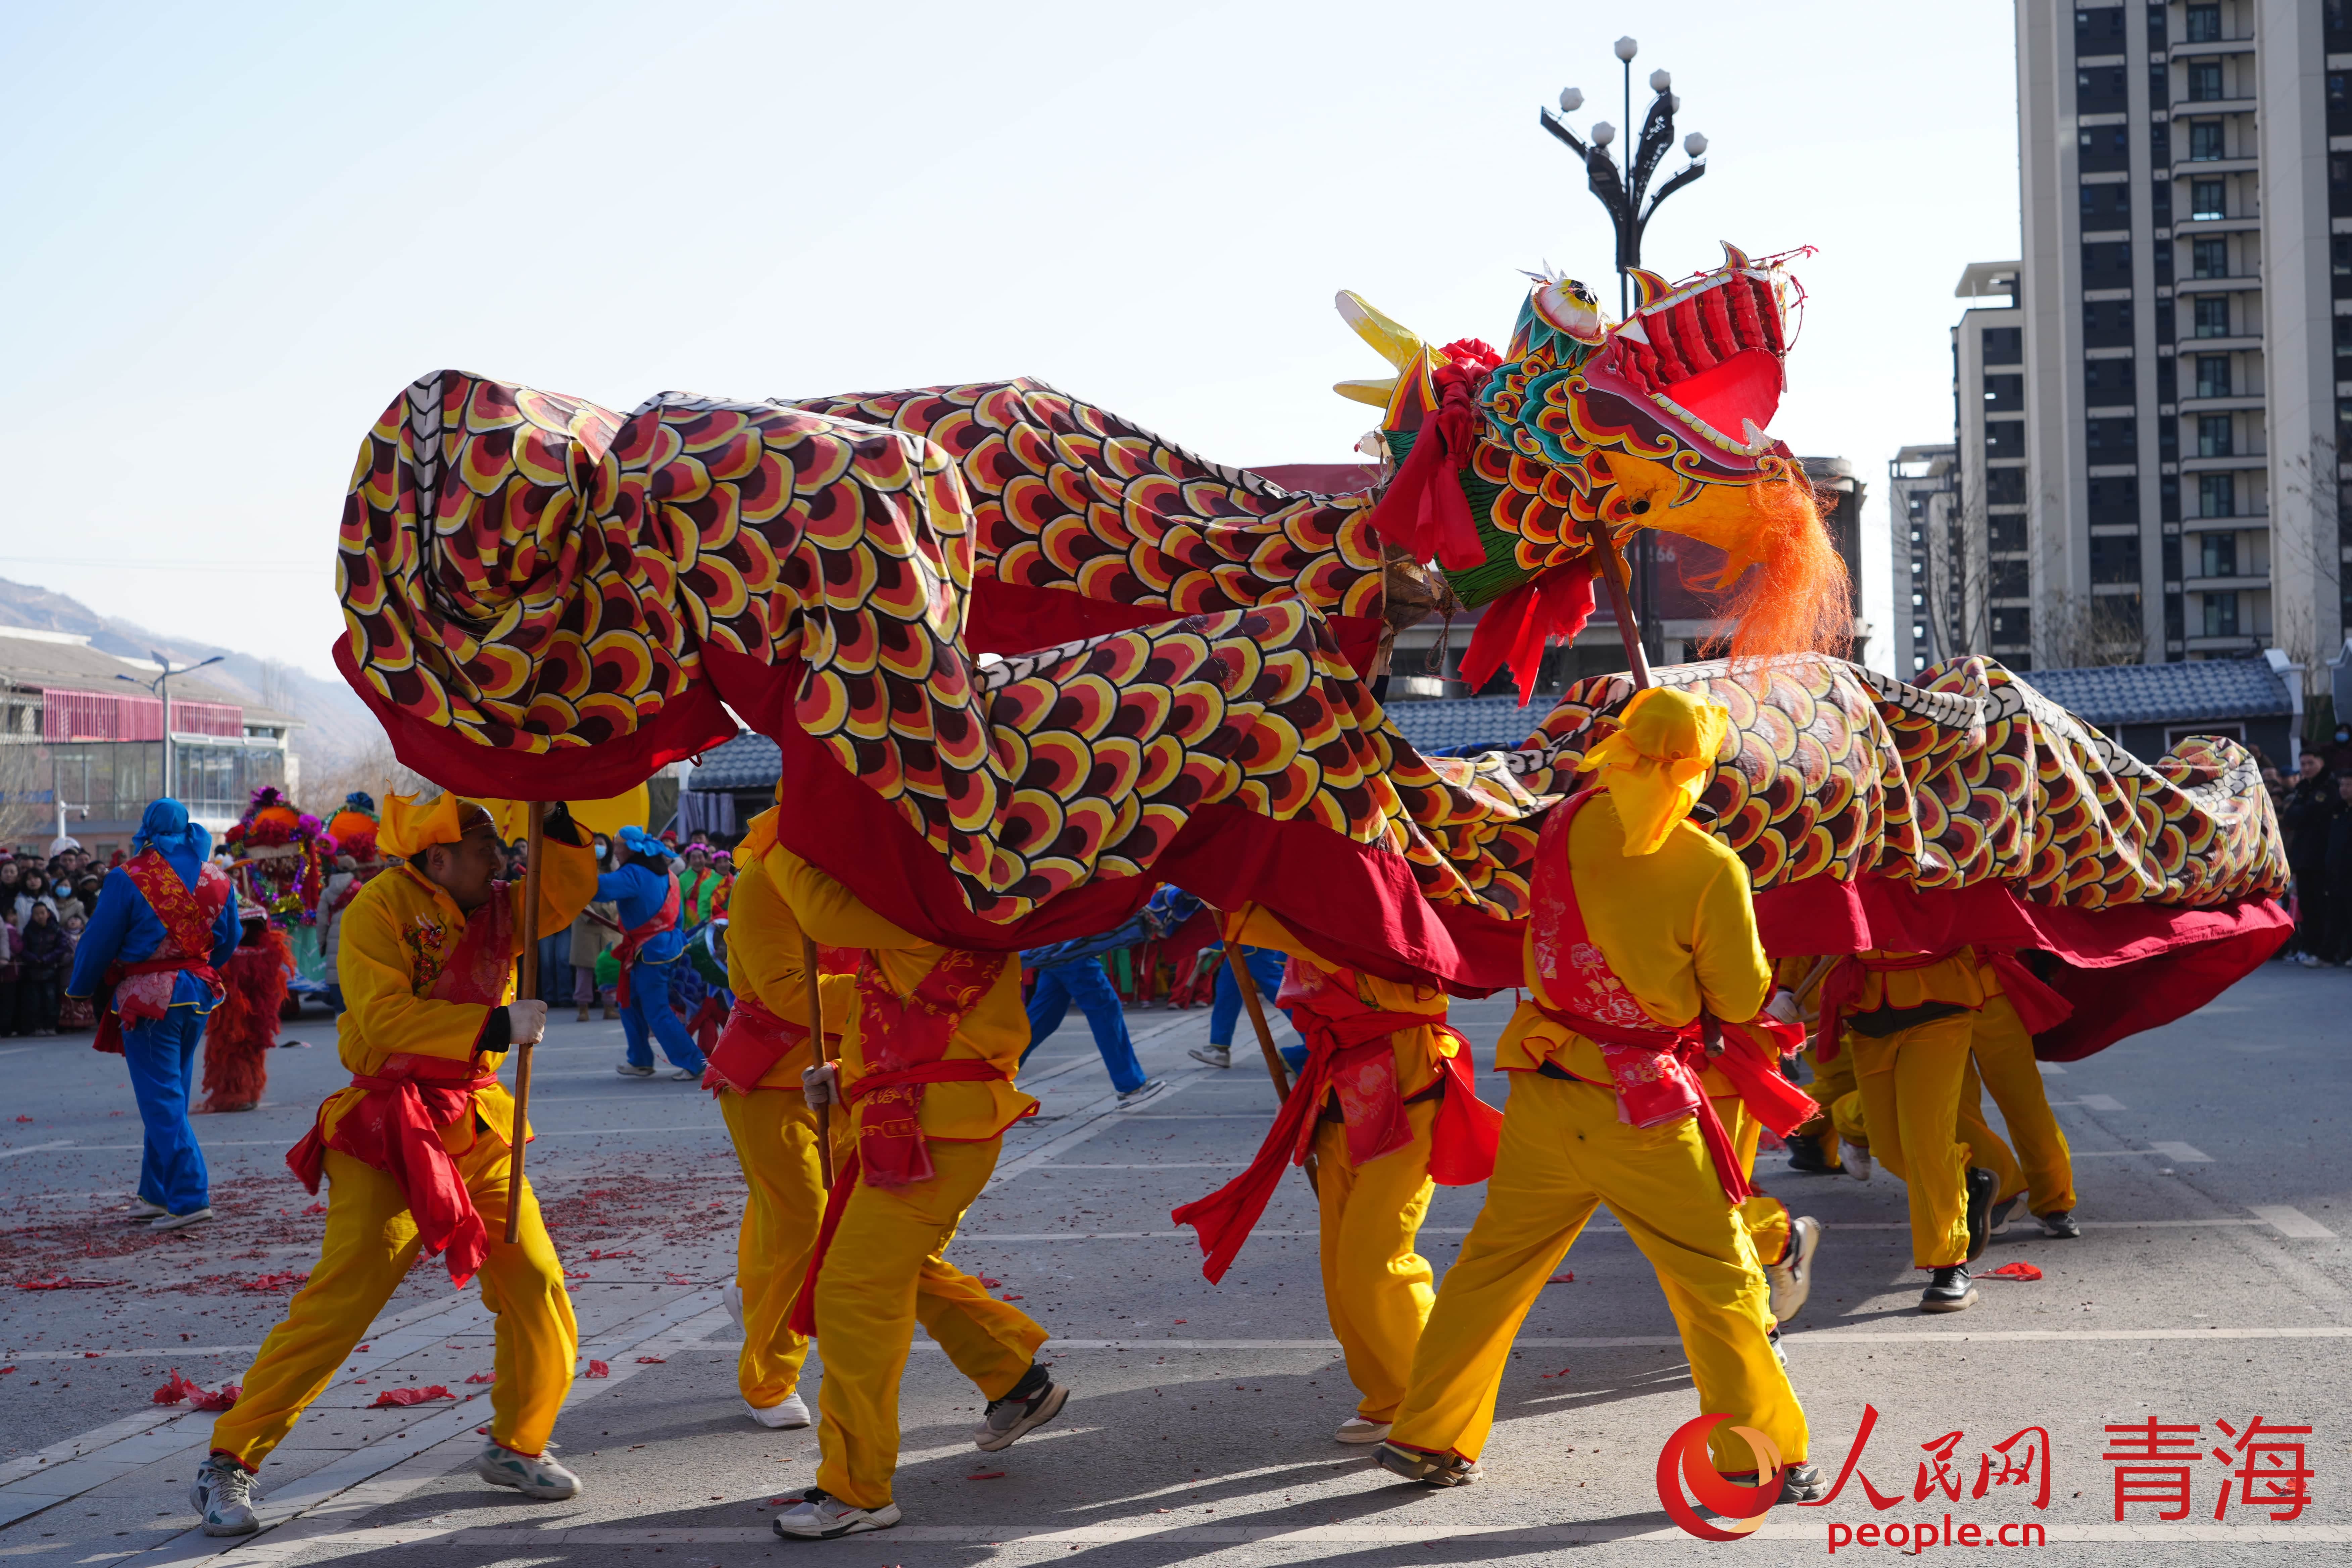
(1742, 1508)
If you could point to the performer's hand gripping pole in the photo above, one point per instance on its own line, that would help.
(816, 1034)
(534, 851)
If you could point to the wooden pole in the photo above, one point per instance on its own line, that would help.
(534, 852)
(1621, 601)
(816, 1034)
(1238, 961)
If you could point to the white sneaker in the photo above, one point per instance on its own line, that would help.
(1857, 1160)
(1356, 1429)
(2308, 959)
(223, 1497)
(631, 1070)
(733, 1298)
(142, 1209)
(1792, 1278)
(685, 1075)
(1141, 1092)
(1215, 1056)
(788, 1415)
(533, 1475)
(180, 1221)
(821, 1516)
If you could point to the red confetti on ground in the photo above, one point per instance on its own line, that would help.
(293, 1278)
(483, 1377)
(652, 1361)
(1567, 1279)
(596, 1257)
(5, 1370)
(1180, 1319)
(391, 1398)
(358, 1382)
(181, 1389)
(600, 1369)
(1012, 1298)
(358, 1347)
(575, 1274)
(24, 1118)
(992, 1284)
(1563, 1371)
(64, 1282)
(986, 1476)
(316, 1208)
(2014, 1272)
(677, 1278)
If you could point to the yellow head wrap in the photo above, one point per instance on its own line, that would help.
(410, 829)
(1659, 762)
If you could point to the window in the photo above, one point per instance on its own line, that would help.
(2111, 441)
(2108, 324)
(2204, 25)
(2213, 375)
(2217, 494)
(2221, 614)
(2109, 381)
(2006, 393)
(2339, 104)
(2211, 312)
(2160, 200)
(2204, 141)
(2207, 199)
(2168, 450)
(2167, 380)
(2205, 82)
(2213, 435)
(2105, 148)
(2005, 487)
(2010, 580)
(2006, 345)
(2115, 559)
(2005, 439)
(2106, 206)
(2221, 552)
(2208, 258)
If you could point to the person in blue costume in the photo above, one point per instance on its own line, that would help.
(645, 886)
(166, 921)
(1072, 971)
(1265, 966)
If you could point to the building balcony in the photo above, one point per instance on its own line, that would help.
(2234, 403)
(2199, 227)
(2225, 462)
(2225, 584)
(2188, 344)
(2231, 283)
(2211, 48)
(2238, 524)
(2246, 642)
(2206, 168)
(2192, 107)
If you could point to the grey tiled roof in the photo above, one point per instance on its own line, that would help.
(750, 760)
(1448, 723)
(2120, 694)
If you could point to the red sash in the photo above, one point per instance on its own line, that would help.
(633, 938)
(1349, 1054)
(394, 1125)
(750, 1045)
(187, 915)
(1651, 1068)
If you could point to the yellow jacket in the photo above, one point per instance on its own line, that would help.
(1418, 1052)
(996, 1031)
(1678, 927)
(396, 936)
(763, 960)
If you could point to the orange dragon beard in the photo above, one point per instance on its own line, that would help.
(1801, 600)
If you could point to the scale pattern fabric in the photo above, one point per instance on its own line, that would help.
(1067, 496)
(1966, 777)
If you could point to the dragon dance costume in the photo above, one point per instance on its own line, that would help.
(416, 1149)
(1605, 1108)
(165, 923)
(755, 1070)
(930, 1043)
(1387, 1107)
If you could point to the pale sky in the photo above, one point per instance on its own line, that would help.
(234, 232)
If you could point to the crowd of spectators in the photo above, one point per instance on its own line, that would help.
(45, 901)
(2315, 813)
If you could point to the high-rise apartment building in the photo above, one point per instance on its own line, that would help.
(1922, 488)
(2187, 191)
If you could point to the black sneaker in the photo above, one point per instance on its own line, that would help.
(1806, 1155)
(1982, 1184)
(1034, 1400)
(2001, 1213)
(2061, 1225)
(1429, 1469)
(1948, 1290)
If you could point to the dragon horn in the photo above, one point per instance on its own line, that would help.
(1648, 287)
(1375, 392)
(1734, 257)
(1397, 344)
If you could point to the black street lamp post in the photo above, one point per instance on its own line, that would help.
(1621, 192)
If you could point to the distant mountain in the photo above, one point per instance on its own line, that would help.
(337, 726)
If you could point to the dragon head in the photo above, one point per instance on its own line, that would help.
(1660, 421)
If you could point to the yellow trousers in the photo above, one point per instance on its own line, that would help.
(1971, 1131)
(1832, 1080)
(775, 1139)
(1376, 1284)
(2004, 1054)
(885, 1273)
(1911, 1083)
(371, 1242)
(1563, 1154)
(1765, 1217)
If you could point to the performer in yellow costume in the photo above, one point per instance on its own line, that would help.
(416, 1150)
(1641, 923)
(1387, 1107)
(2002, 1045)
(755, 1070)
(929, 1046)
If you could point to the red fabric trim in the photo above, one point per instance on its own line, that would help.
(685, 726)
(394, 1127)
(1516, 627)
